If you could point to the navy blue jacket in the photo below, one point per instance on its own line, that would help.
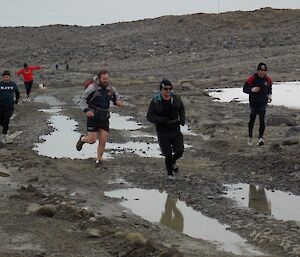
(7, 92)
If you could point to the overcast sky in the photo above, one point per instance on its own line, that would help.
(95, 12)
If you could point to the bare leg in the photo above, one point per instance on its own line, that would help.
(90, 138)
(102, 136)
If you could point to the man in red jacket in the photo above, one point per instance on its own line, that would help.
(28, 77)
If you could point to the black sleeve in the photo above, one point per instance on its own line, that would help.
(17, 92)
(246, 88)
(181, 112)
(153, 117)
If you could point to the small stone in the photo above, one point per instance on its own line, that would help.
(48, 210)
(136, 238)
(32, 208)
(92, 219)
(93, 232)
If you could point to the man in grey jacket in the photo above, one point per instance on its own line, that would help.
(95, 102)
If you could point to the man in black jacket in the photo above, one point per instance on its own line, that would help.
(259, 88)
(8, 89)
(166, 111)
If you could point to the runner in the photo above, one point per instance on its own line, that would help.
(95, 102)
(167, 112)
(259, 88)
(27, 74)
(8, 89)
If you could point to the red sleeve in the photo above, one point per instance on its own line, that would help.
(19, 72)
(269, 79)
(250, 81)
(34, 67)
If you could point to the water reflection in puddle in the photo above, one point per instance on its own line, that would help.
(282, 205)
(284, 93)
(155, 206)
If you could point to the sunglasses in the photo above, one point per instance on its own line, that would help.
(167, 88)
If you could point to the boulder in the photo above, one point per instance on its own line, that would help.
(278, 119)
(290, 141)
(293, 132)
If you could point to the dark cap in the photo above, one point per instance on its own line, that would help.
(6, 73)
(164, 83)
(262, 66)
(25, 65)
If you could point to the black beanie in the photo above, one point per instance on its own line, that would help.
(164, 83)
(262, 66)
(5, 73)
(25, 65)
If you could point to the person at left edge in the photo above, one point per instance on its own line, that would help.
(8, 89)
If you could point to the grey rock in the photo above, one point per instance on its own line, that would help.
(290, 141)
(278, 119)
(93, 232)
(293, 132)
(48, 210)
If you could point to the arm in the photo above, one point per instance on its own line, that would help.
(153, 117)
(83, 100)
(35, 68)
(17, 93)
(269, 89)
(18, 73)
(116, 97)
(248, 86)
(181, 112)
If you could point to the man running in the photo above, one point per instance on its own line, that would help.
(27, 73)
(259, 88)
(8, 89)
(95, 102)
(167, 112)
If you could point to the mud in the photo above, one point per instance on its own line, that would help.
(57, 206)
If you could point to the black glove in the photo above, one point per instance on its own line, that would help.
(182, 122)
(16, 101)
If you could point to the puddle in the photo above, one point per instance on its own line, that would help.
(64, 131)
(284, 93)
(119, 122)
(186, 131)
(61, 142)
(281, 205)
(155, 206)
(50, 100)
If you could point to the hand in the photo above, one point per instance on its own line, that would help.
(119, 103)
(269, 98)
(182, 122)
(90, 114)
(255, 89)
(16, 101)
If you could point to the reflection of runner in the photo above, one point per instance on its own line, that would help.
(258, 200)
(172, 217)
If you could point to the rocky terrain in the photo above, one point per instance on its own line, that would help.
(57, 207)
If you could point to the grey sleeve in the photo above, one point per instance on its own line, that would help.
(83, 99)
(116, 96)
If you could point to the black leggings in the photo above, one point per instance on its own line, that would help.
(5, 114)
(172, 148)
(28, 86)
(261, 111)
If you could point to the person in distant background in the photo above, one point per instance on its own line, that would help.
(259, 88)
(8, 89)
(27, 74)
